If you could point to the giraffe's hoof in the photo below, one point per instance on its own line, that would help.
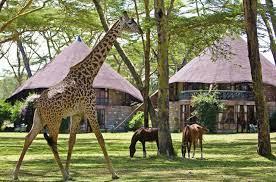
(15, 177)
(115, 176)
(68, 178)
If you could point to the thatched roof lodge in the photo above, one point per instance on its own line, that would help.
(115, 95)
(232, 77)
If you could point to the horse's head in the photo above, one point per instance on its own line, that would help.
(132, 150)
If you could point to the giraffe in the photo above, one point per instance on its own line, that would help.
(75, 97)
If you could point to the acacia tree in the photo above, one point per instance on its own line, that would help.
(250, 13)
(266, 19)
(164, 135)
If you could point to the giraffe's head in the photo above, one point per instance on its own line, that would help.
(129, 24)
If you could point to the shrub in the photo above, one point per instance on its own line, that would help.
(207, 106)
(136, 122)
(5, 112)
(272, 121)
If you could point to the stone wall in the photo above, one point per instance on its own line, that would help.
(174, 116)
(114, 115)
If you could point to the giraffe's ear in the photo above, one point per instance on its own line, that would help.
(125, 15)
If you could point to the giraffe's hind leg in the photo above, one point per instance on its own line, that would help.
(75, 121)
(53, 131)
(36, 128)
(91, 115)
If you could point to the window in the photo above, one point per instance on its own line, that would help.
(251, 118)
(228, 115)
(185, 115)
(102, 96)
(101, 117)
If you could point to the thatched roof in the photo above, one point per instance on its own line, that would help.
(236, 69)
(58, 68)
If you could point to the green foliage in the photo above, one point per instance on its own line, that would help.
(16, 111)
(5, 112)
(207, 106)
(272, 121)
(136, 122)
(7, 85)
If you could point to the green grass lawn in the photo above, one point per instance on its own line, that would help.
(228, 157)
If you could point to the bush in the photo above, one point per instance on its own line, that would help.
(272, 122)
(136, 122)
(207, 106)
(5, 112)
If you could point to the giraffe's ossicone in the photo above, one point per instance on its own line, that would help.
(75, 97)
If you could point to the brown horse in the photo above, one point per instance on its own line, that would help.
(143, 135)
(192, 134)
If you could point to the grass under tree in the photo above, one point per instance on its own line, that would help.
(228, 157)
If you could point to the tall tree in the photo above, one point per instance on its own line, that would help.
(271, 11)
(147, 64)
(271, 36)
(26, 60)
(250, 13)
(164, 135)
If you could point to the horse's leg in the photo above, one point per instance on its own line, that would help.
(194, 143)
(144, 149)
(36, 128)
(201, 148)
(183, 149)
(189, 148)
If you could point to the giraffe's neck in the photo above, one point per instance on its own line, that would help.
(90, 66)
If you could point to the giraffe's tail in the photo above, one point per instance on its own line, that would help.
(49, 140)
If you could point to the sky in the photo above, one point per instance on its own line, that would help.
(5, 66)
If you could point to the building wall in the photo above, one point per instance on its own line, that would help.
(115, 115)
(222, 125)
(174, 116)
(116, 97)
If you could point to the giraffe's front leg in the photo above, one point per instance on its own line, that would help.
(74, 125)
(36, 128)
(91, 115)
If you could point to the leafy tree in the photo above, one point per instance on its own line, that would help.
(136, 122)
(250, 13)
(164, 135)
(207, 106)
(5, 112)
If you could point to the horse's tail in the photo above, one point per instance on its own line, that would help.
(186, 134)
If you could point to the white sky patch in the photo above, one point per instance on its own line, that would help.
(42, 47)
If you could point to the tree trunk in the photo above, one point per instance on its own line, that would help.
(147, 66)
(270, 8)
(128, 63)
(165, 141)
(26, 61)
(250, 11)
(2, 2)
(270, 33)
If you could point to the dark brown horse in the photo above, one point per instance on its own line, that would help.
(192, 135)
(143, 135)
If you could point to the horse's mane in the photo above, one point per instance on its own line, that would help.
(134, 137)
